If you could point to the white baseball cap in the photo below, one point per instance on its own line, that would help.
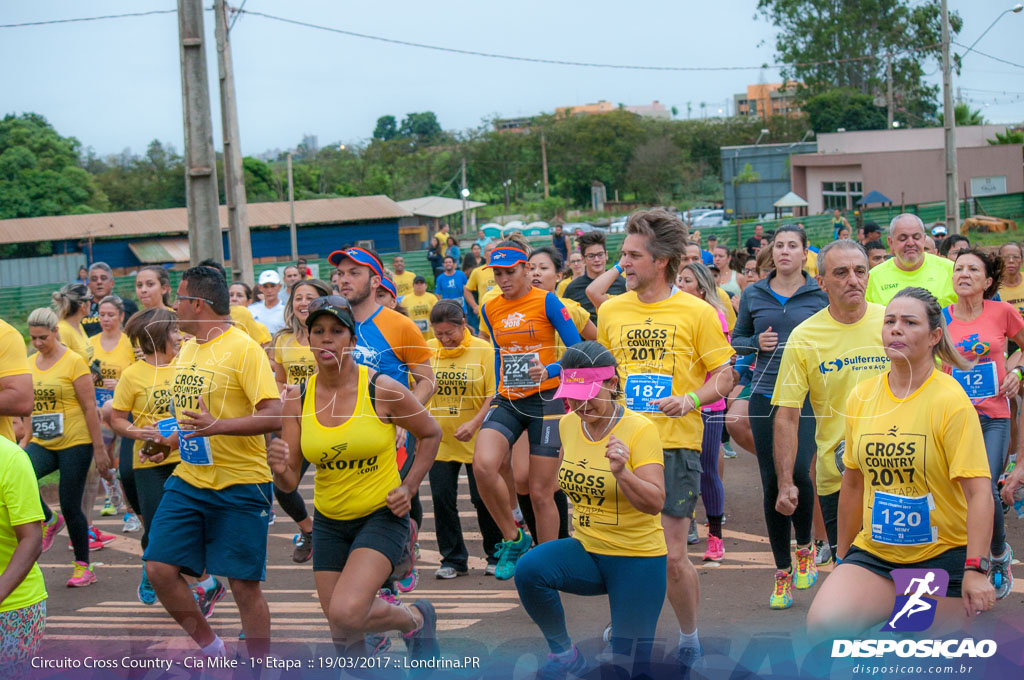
(269, 276)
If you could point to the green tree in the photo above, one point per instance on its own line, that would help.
(386, 130)
(40, 172)
(822, 42)
(259, 180)
(845, 108)
(747, 175)
(656, 168)
(422, 127)
(1008, 137)
(963, 115)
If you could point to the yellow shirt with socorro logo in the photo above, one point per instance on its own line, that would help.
(826, 359)
(19, 505)
(910, 448)
(465, 379)
(296, 359)
(75, 340)
(57, 415)
(355, 462)
(231, 373)
(13, 361)
(403, 283)
(419, 307)
(144, 391)
(603, 519)
(935, 276)
(114, 362)
(664, 349)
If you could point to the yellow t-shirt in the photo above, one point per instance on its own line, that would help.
(419, 307)
(231, 373)
(19, 504)
(485, 332)
(113, 363)
(296, 358)
(442, 239)
(730, 313)
(465, 379)
(811, 266)
(355, 461)
(664, 349)
(75, 340)
(935, 276)
(481, 280)
(560, 288)
(1013, 295)
(13, 361)
(244, 318)
(403, 283)
(911, 448)
(603, 519)
(579, 318)
(56, 415)
(826, 359)
(145, 391)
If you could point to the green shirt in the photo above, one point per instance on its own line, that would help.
(19, 504)
(934, 275)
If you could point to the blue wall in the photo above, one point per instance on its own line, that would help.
(321, 240)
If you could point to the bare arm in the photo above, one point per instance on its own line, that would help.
(86, 394)
(589, 331)
(404, 410)
(978, 594)
(470, 300)
(644, 487)
(30, 547)
(851, 506)
(285, 454)
(16, 396)
(466, 431)
(424, 383)
(266, 419)
(787, 423)
(597, 291)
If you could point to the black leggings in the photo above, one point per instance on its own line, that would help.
(126, 470)
(73, 463)
(830, 513)
(150, 484)
(762, 425)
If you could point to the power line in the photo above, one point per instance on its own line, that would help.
(100, 18)
(559, 62)
(1004, 61)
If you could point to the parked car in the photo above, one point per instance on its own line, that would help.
(694, 213)
(712, 218)
(618, 225)
(576, 228)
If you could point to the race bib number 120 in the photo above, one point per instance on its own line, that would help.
(902, 520)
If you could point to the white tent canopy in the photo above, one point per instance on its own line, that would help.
(790, 200)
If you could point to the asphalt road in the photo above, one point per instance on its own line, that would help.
(478, 615)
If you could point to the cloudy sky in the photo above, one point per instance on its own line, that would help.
(116, 84)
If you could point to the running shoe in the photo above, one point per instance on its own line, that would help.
(303, 547)
(422, 643)
(51, 529)
(686, 658)
(108, 507)
(131, 523)
(716, 549)
(1000, 573)
(408, 584)
(806, 569)
(377, 643)
(94, 545)
(208, 599)
(145, 592)
(693, 538)
(272, 519)
(823, 553)
(557, 669)
(729, 452)
(82, 575)
(782, 596)
(97, 535)
(449, 572)
(390, 596)
(416, 550)
(508, 553)
(490, 569)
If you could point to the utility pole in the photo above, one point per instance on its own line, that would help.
(202, 201)
(291, 210)
(464, 193)
(544, 160)
(949, 125)
(234, 176)
(888, 69)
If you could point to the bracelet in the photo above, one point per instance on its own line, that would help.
(1019, 371)
(619, 267)
(696, 401)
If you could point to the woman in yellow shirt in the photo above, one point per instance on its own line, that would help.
(64, 435)
(916, 488)
(153, 287)
(464, 368)
(71, 303)
(613, 468)
(575, 268)
(361, 525)
(293, 364)
(141, 400)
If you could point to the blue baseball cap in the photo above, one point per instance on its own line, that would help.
(359, 256)
(507, 257)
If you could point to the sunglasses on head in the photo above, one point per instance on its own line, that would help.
(327, 301)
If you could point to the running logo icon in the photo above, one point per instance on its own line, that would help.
(914, 610)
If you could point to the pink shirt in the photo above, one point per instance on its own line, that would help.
(720, 404)
(984, 340)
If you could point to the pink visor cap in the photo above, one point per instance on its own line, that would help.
(583, 384)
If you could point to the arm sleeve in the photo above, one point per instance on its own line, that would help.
(559, 317)
(744, 340)
(13, 357)
(712, 348)
(78, 367)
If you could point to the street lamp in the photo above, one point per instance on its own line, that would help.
(465, 192)
(1016, 9)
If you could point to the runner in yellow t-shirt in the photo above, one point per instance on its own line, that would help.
(419, 304)
(1011, 287)
(403, 278)
(14, 376)
(916, 490)
(71, 303)
(464, 369)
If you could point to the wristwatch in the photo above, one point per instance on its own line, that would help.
(978, 564)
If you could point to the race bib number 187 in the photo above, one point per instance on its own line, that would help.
(643, 388)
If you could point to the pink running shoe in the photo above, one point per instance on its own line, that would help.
(716, 549)
(97, 535)
(94, 545)
(51, 530)
(82, 575)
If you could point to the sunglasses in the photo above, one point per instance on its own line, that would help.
(200, 299)
(335, 302)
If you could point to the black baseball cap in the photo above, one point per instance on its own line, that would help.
(336, 306)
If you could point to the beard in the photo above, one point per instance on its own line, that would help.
(359, 296)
